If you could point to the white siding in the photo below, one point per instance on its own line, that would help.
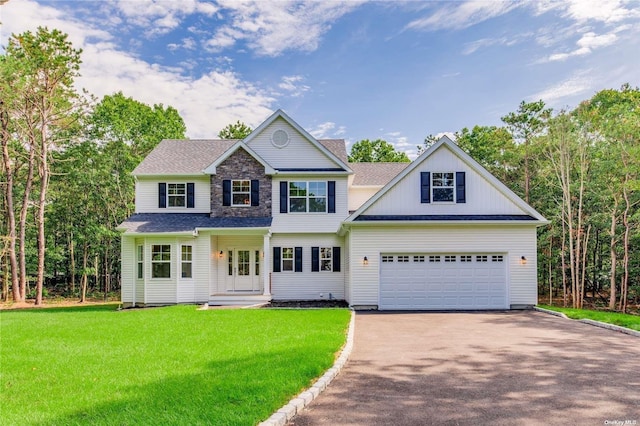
(307, 285)
(161, 291)
(304, 222)
(299, 153)
(128, 268)
(481, 196)
(515, 241)
(347, 267)
(147, 194)
(358, 195)
(196, 289)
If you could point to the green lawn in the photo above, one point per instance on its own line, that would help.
(623, 320)
(175, 365)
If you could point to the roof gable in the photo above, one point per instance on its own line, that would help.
(486, 195)
(299, 151)
(211, 169)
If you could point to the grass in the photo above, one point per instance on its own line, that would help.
(175, 365)
(617, 318)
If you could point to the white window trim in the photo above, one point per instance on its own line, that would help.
(292, 258)
(140, 262)
(184, 185)
(433, 187)
(161, 261)
(329, 258)
(241, 192)
(183, 262)
(307, 197)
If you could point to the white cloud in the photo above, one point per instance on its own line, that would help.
(585, 45)
(271, 28)
(461, 15)
(321, 131)
(292, 84)
(160, 17)
(207, 103)
(608, 11)
(579, 83)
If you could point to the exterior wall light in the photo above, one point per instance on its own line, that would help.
(221, 254)
(523, 260)
(365, 261)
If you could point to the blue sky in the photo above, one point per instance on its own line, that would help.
(392, 70)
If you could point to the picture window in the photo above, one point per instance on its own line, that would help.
(161, 261)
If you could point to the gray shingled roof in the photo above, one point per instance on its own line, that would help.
(187, 222)
(182, 156)
(376, 173)
(337, 148)
(447, 217)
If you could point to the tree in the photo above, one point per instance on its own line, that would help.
(45, 108)
(491, 146)
(378, 151)
(239, 130)
(525, 124)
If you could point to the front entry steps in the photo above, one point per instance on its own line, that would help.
(238, 299)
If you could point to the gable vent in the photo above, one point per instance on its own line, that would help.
(280, 138)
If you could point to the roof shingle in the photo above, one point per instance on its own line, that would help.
(187, 222)
(182, 156)
(376, 174)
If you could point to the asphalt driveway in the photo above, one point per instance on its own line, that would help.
(519, 367)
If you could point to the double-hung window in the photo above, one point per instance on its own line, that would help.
(177, 194)
(287, 258)
(240, 192)
(140, 261)
(326, 262)
(442, 187)
(308, 197)
(161, 261)
(187, 262)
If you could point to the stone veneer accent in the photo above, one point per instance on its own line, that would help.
(240, 165)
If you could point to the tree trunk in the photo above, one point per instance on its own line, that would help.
(624, 285)
(73, 264)
(550, 269)
(8, 195)
(612, 251)
(84, 279)
(42, 238)
(26, 198)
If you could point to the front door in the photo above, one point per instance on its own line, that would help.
(243, 270)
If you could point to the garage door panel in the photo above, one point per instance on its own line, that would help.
(443, 281)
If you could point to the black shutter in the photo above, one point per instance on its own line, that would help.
(226, 192)
(315, 259)
(191, 195)
(460, 188)
(425, 187)
(298, 259)
(331, 191)
(336, 259)
(255, 192)
(162, 195)
(276, 259)
(284, 196)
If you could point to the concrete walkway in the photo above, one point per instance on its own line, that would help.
(504, 368)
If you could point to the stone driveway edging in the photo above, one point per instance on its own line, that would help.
(286, 413)
(605, 325)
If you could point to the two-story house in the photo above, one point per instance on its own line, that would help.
(281, 215)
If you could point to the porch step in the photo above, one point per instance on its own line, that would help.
(238, 300)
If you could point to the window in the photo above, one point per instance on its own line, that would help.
(497, 258)
(257, 263)
(308, 197)
(140, 261)
(434, 258)
(287, 258)
(481, 258)
(450, 258)
(187, 262)
(161, 261)
(177, 194)
(442, 187)
(465, 258)
(240, 192)
(387, 259)
(403, 258)
(418, 258)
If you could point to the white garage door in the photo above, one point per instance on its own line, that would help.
(443, 281)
